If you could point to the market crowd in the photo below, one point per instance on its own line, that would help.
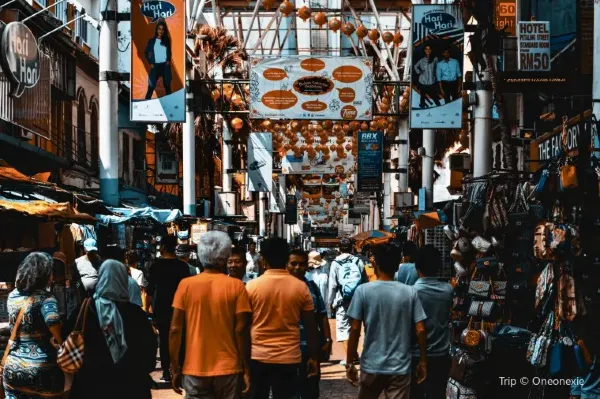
(249, 324)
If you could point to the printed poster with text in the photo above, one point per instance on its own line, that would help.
(370, 161)
(157, 61)
(311, 88)
(323, 201)
(437, 67)
(260, 162)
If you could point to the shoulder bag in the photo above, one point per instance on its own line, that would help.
(479, 288)
(470, 337)
(70, 353)
(13, 337)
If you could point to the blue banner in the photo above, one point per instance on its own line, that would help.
(370, 161)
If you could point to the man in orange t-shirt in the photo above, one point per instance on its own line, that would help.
(279, 300)
(216, 313)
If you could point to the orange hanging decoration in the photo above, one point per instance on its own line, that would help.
(320, 18)
(398, 38)
(348, 29)
(374, 35)
(268, 4)
(237, 123)
(237, 100)
(304, 13)
(387, 37)
(362, 32)
(335, 24)
(286, 8)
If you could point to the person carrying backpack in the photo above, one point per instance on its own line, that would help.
(346, 274)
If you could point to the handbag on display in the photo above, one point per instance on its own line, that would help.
(568, 177)
(518, 213)
(70, 355)
(455, 390)
(567, 300)
(537, 350)
(470, 337)
(483, 309)
(488, 264)
(481, 244)
(544, 284)
(499, 289)
(486, 339)
(480, 288)
(466, 368)
(540, 240)
(497, 209)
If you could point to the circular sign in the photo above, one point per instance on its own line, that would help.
(20, 57)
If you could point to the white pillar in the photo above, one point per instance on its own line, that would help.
(427, 166)
(108, 142)
(387, 203)
(403, 150)
(371, 222)
(226, 152)
(189, 154)
(482, 115)
(376, 217)
(596, 73)
(262, 220)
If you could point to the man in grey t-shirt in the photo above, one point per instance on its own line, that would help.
(388, 309)
(88, 265)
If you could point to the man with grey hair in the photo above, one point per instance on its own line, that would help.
(216, 313)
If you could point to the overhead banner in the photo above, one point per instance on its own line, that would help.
(437, 68)
(311, 88)
(323, 201)
(370, 161)
(157, 61)
(260, 162)
(534, 46)
(334, 155)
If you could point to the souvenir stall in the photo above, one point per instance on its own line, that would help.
(525, 251)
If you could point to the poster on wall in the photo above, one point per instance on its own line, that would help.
(534, 46)
(370, 161)
(333, 156)
(311, 88)
(157, 61)
(437, 68)
(260, 162)
(323, 201)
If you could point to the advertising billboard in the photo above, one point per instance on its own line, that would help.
(157, 61)
(370, 161)
(437, 68)
(334, 156)
(534, 46)
(260, 162)
(323, 201)
(313, 88)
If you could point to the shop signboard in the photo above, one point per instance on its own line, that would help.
(157, 61)
(291, 209)
(334, 157)
(534, 46)
(20, 58)
(370, 161)
(549, 145)
(260, 162)
(196, 231)
(315, 88)
(437, 67)
(505, 16)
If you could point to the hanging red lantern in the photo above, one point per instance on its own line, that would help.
(374, 35)
(268, 4)
(398, 38)
(335, 24)
(362, 32)
(304, 13)
(237, 123)
(237, 100)
(286, 8)
(387, 37)
(348, 29)
(320, 18)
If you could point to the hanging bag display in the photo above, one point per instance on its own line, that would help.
(518, 213)
(483, 309)
(537, 350)
(567, 300)
(469, 336)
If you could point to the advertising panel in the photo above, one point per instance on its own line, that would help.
(334, 156)
(311, 88)
(323, 201)
(370, 161)
(291, 209)
(534, 46)
(260, 162)
(157, 61)
(437, 68)
(20, 57)
(506, 16)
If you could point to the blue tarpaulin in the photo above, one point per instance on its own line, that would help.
(124, 214)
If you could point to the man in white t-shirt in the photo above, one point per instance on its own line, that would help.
(253, 260)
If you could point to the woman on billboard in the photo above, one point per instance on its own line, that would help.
(426, 69)
(158, 55)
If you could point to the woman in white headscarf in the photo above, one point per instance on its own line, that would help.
(120, 345)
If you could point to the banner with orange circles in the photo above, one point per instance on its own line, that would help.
(312, 88)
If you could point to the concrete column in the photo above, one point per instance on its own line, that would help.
(189, 154)
(482, 115)
(387, 203)
(262, 220)
(427, 165)
(226, 152)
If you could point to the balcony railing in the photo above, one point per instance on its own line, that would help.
(76, 145)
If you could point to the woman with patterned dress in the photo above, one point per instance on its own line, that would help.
(30, 371)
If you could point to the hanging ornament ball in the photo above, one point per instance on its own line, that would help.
(362, 31)
(348, 29)
(267, 124)
(237, 100)
(374, 35)
(387, 37)
(335, 24)
(296, 126)
(320, 18)
(286, 8)
(364, 126)
(215, 94)
(268, 4)
(304, 13)
(237, 123)
(398, 38)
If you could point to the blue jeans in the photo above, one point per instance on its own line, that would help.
(161, 70)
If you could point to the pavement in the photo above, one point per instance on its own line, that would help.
(333, 378)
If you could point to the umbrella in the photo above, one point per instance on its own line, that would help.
(372, 237)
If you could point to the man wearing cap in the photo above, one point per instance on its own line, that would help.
(88, 265)
(317, 274)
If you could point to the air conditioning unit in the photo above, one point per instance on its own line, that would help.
(459, 162)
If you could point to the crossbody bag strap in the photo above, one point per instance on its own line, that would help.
(80, 322)
(15, 330)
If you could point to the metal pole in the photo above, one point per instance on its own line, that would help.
(262, 220)
(596, 73)
(403, 149)
(387, 205)
(482, 115)
(227, 137)
(254, 14)
(387, 48)
(189, 153)
(109, 99)
(427, 165)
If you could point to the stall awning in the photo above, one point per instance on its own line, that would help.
(59, 212)
(122, 215)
